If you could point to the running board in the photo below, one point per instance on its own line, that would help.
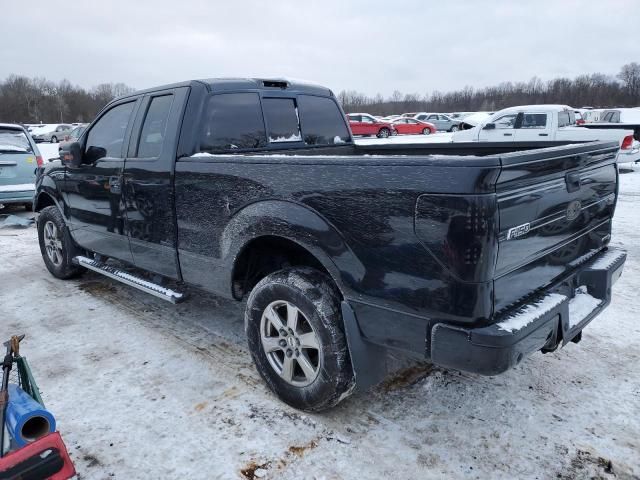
(131, 280)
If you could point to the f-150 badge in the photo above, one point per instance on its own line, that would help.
(518, 231)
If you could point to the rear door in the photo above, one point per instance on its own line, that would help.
(555, 208)
(534, 126)
(94, 189)
(148, 194)
(17, 164)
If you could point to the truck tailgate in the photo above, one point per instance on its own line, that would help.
(555, 212)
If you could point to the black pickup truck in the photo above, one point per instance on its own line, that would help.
(470, 255)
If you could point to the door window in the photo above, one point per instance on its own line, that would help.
(106, 137)
(154, 127)
(433, 117)
(232, 121)
(281, 115)
(367, 119)
(505, 122)
(322, 122)
(534, 120)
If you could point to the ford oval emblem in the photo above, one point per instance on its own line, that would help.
(573, 210)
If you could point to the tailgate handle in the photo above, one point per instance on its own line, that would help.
(573, 181)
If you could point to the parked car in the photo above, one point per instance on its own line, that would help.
(591, 116)
(339, 250)
(411, 126)
(625, 118)
(19, 158)
(365, 124)
(73, 135)
(441, 121)
(52, 134)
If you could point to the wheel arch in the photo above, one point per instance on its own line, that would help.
(275, 230)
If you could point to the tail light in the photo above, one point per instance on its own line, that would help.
(627, 143)
(461, 232)
(39, 160)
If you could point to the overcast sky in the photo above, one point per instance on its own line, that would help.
(370, 46)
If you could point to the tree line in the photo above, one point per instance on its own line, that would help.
(595, 90)
(38, 100)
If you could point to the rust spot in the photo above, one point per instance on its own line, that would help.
(299, 451)
(406, 377)
(249, 471)
(200, 406)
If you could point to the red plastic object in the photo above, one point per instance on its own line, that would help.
(46, 458)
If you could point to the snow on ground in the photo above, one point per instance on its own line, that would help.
(145, 389)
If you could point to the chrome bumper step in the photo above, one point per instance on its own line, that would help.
(131, 280)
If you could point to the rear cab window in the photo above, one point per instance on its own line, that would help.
(322, 122)
(281, 116)
(14, 141)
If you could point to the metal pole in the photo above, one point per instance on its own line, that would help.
(13, 346)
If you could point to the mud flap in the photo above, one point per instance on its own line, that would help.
(367, 359)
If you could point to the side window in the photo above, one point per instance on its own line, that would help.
(433, 117)
(615, 117)
(154, 127)
(505, 122)
(321, 121)
(534, 120)
(232, 121)
(421, 117)
(281, 115)
(106, 137)
(607, 117)
(564, 119)
(367, 119)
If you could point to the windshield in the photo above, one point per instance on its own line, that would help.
(14, 141)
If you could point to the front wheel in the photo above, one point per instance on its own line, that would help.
(384, 133)
(454, 129)
(426, 131)
(296, 338)
(56, 245)
(54, 139)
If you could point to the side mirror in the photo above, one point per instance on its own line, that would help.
(71, 155)
(93, 154)
(489, 126)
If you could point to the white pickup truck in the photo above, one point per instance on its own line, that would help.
(545, 123)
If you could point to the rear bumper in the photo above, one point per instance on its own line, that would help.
(558, 315)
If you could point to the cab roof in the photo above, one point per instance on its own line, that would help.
(230, 84)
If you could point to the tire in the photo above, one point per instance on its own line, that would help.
(311, 378)
(384, 133)
(454, 128)
(426, 131)
(56, 246)
(54, 139)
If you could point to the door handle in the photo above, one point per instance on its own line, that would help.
(573, 181)
(508, 134)
(543, 134)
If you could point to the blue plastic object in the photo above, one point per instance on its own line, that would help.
(26, 419)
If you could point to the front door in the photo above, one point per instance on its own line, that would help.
(97, 215)
(504, 131)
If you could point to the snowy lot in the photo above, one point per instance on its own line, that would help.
(144, 389)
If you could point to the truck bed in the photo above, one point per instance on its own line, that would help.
(413, 237)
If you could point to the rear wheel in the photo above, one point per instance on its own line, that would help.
(295, 333)
(426, 131)
(454, 128)
(56, 245)
(384, 133)
(54, 139)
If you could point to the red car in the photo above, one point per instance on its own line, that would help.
(365, 124)
(411, 126)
